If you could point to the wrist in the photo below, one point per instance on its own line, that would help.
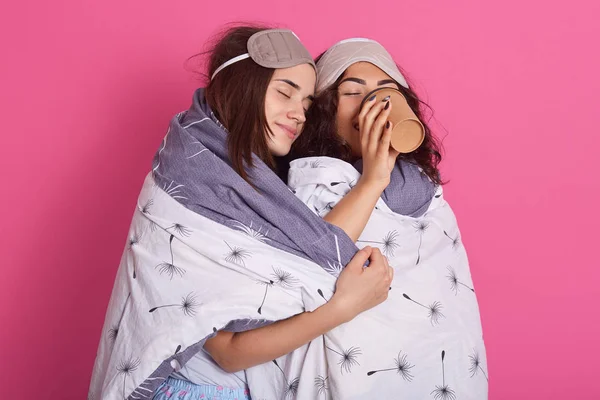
(372, 185)
(338, 312)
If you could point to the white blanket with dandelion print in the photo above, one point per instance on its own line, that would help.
(425, 341)
(177, 284)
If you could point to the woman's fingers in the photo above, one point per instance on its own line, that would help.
(366, 124)
(378, 127)
(384, 148)
(366, 108)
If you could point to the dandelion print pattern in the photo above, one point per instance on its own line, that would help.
(402, 367)
(174, 191)
(280, 277)
(198, 152)
(350, 184)
(322, 295)
(455, 241)
(188, 305)
(443, 392)
(334, 268)
(237, 255)
(267, 284)
(348, 358)
(389, 243)
(146, 207)
(283, 278)
(421, 227)
(170, 268)
(250, 231)
(475, 366)
(125, 368)
(455, 284)
(134, 239)
(316, 164)
(153, 226)
(291, 390)
(113, 332)
(180, 230)
(321, 385)
(434, 309)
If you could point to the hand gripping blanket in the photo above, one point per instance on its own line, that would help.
(207, 251)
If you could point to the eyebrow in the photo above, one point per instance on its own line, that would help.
(357, 80)
(295, 86)
(363, 82)
(386, 81)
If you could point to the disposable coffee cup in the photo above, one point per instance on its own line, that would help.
(407, 131)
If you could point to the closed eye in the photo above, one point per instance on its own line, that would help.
(351, 94)
(307, 107)
(287, 96)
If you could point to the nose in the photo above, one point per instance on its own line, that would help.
(296, 112)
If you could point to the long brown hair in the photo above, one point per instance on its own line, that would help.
(236, 95)
(320, 137)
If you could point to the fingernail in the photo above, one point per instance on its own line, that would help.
(373, 98)
(387, 106)
(386, 98)
(387, 125)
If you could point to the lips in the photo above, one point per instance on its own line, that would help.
(291, 132)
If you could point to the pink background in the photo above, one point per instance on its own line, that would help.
(87, 89)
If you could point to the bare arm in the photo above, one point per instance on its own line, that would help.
(358, 289)
(237, 351)
(352, 212)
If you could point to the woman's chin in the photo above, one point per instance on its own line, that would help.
(279, 151)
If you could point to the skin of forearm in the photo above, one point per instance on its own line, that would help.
(238, 351)
(352, 213)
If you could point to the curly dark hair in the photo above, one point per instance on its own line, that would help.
(320, 138)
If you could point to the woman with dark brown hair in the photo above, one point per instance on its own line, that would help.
(345, 170)
(338, 127)
(209, 210)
